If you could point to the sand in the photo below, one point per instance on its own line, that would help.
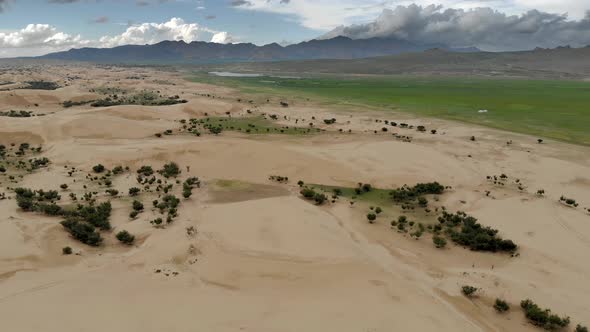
(262, 258)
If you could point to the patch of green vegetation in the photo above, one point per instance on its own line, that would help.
(551, 108)
(374, 195)
(69, 103)
(232, 184)
(41, 85)
(144, 98)
(17, 114)
(543, 317)
(253, 125)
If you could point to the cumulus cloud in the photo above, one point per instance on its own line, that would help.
(222, 38)
(324, 15)
(39, 35)
(485, 28)
(150, 33)
(37, 39)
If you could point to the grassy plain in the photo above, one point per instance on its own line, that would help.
(547, 108)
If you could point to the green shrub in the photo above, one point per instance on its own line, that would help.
(125, 237)
(82, 231)
(170, 170)
(134, 191)
(98, 168)
(308, 193)
(97, 216)
(156, 222)
(580, 328)
(468, 291)
(145, 170)
(371, 217)
(66, 250)
(112, 192)
(501, 305)
(319, 198)
(137, 205)
(118, 170)
(474, 235)
(406, 194)
(543, 317)
(439, 242)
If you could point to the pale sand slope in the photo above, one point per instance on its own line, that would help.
(265, 260)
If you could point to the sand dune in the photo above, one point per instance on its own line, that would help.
(264, 259)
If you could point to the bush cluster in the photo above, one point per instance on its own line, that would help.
(170, 170)
(543, 317)
(125, 237)
(474, 235)
(407, 194)
(187, 186)
(310, 194)
(501, 305)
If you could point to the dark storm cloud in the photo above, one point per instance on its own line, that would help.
(485, 28)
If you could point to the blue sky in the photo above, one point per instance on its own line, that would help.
(78, 18)
(31, 27)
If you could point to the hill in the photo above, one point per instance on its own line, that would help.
(562, 62)
(204, 52)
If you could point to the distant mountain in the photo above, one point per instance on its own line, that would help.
(204, 52)
(561, 62)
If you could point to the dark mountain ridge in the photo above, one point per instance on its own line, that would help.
(205, 52)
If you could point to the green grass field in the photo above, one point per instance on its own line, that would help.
(553, 109)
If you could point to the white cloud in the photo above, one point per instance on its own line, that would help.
(481, 27)
(150, 33)
(38, 35)
(323, 15)
(38, 39)
(222, 38)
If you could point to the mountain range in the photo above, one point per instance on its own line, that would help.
(560, 63)
(206, 52)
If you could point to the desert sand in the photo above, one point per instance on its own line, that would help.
(262, 258)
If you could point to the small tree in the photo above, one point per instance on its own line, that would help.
(439, 242)
(134, 191)
(468, 291)
(371, 217)
(580, 328)
(98, 168)
(319, 198)
(137, 205)
(125, 237)
(66, 250)
(501, 305)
